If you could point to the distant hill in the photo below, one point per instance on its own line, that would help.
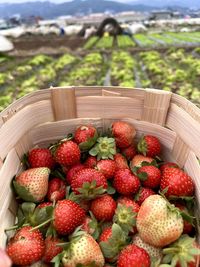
(51, 10)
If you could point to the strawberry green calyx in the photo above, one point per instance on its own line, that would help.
(85, 146)
(142, 146)
(117, 241)
(90, 190)
(104, 149)
(125, 217)
(182, 252)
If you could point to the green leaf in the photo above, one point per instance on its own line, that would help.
(23, 192)
(142, 176)
(28, 208)
(93, 152)
(111, 190)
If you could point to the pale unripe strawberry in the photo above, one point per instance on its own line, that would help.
(85, 251)
(158, 217)
(32, 184)
(154, 253)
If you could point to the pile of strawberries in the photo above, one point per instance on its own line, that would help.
(92, 200)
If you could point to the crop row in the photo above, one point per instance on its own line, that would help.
(145, 40)
(175, 71)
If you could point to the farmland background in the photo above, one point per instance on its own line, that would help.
(150, 53)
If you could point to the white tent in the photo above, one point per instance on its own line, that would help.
(5, 44)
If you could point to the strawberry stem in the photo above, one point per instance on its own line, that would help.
(42, 224)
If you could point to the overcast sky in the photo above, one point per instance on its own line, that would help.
(54, 1)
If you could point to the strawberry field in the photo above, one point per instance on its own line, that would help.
(172, 69)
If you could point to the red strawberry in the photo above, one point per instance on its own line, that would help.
(106, 234)
(133, 256)
(187, 227)
(125, 182)
(89, 182)
(91, 162)
(128, 202)
(87, 225)
(149, 146)
(51, 248)
(168, 164)
(68, 153)
(67, 216)
(73, 170)
(177, 182)
(40, 157)
(44, 205)
(150, 176)
(26, 247)
(103, 208)
(85, 136)
(138, 159)
(107, 167)
(123, 133)
(121, 162)
(32, 184)
(143, 194)
(56, 190)
(126, 213)
(129, 152)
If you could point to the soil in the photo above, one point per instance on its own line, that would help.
(51, 44)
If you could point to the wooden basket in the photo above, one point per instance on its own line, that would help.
(45, 116)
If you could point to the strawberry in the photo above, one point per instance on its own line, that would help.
(73, 170)
(177, 182)
(44, 205)
(150, 176)
(56, 190)
(83, 250)
(125, 182)
(91, 162)
(85, 136)
(41, 157)
(133, 256)
(103, 208)
(143, 194)
(106, 234)
(158, 217)
(129, 152)
(168, 164)
(91, 226)
(26, 247)
(121, 162)
(123, 133)
(137, 160)
(154, 253)
(128, 202)
(184, 252)
(111, 241)
(187, 226)
(68, 153)
(51, 248)
(67, 216)
(149, 146)
(32, 184)
(89, 183)
(107, 167)
(126, 213)
(5, 261)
